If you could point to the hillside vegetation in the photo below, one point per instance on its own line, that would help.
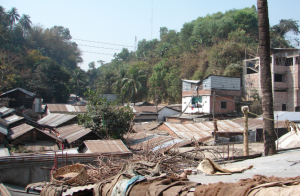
(46, 60)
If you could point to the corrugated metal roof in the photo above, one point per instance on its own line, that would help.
(17, 131)
(4, 111)
(54, 120)
(147, 109)
(20, 89)
(291, 116)
(255, 123)
(13, 118)
(66, 108)
(72, 132)
(204, 129)
(3, 123)
(192, 81)
(140, 141)
(106, 146)
(3, 130)
(145, 126)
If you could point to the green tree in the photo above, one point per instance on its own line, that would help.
(117, 86)
(25, 23)
(77, 80)
(133, 84)
(13, 16)
(105, 118)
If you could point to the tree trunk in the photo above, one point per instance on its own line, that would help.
(266, 79)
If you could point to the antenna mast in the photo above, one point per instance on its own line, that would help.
(151, 19)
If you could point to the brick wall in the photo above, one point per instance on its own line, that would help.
(230, 104)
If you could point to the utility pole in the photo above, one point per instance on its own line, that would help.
(214, 105)
(246, 143)
(156, 105)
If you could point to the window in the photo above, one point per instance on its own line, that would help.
(223, 105)
(283, 107)
(288, 61)
(278, 77)
(196, 101)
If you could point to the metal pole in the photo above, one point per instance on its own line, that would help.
(62, 157)
(228, 151)
(223, 151)
(214, 105)
(66, 158)
(277, 132)
(232, 151)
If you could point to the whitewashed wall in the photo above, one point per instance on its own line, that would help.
(205, 108)
(166, 112)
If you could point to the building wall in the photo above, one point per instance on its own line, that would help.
(221, 82)
(285, 92)
(230, 103)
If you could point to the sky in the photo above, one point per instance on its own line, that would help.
(102, 28)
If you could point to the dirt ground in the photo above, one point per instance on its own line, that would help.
(221, 151)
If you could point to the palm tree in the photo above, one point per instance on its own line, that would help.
(133, 84)
(13, 16)
(117, 86)
(25, 22)
(2, 14)
(266, 79)
(77, 79)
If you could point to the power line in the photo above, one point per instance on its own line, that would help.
(26, 42)
(98, 53)
(102, 42)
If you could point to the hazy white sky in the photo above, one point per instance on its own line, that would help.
(117, 22)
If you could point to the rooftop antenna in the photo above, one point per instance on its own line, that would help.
(152, 19)
(135, 43)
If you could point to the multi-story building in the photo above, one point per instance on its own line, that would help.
(198, 96)
(285, 79)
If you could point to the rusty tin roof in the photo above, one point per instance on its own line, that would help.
(256, 123)
(72, 132)
(54, 120)
(65, 108)
(106, 146)
(13, 118)
(19, 130)
(204, 129)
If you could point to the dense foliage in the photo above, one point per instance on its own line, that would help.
(45, 60)
(104, 117)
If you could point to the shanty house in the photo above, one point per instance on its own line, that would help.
(64, 109)
(27, 133)
(103, 146)
(151, 113)
(18, 97)
(74, 134)
(212, 95)
(54, 120)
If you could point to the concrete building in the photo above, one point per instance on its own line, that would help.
(227, 91)
(285, 79)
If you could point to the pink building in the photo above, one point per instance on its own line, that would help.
(285, 79)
